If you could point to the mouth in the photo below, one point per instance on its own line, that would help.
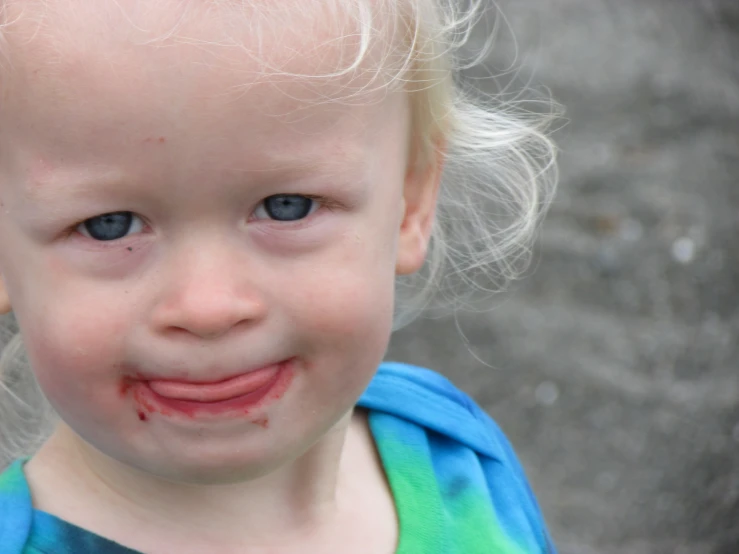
(238, 395)
(219, 391)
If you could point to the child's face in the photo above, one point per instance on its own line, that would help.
(200, 278)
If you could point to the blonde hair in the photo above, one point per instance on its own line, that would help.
(498, 178)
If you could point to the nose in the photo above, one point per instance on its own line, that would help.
(208, 296)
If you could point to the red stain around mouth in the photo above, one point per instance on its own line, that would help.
(124, 386)
(147, 404)
(144, 407)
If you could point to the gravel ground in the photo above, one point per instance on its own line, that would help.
(611, 368)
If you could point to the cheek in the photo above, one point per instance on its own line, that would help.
(346, 299)
(73, 342)
(63, 313)
(342, 324)
(76, 365)
(347, 303)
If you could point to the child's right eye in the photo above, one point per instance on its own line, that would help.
(111, 226)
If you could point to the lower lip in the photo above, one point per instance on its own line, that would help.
(244, 404)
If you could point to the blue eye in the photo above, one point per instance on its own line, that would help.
(112, 226)
(286, 207)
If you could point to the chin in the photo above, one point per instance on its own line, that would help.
(208, 470)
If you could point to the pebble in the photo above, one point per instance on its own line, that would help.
(606, 481)
(546, 393)
(683, 250)
(631, 230)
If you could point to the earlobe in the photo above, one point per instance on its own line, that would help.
(5, 306)
(420, 194)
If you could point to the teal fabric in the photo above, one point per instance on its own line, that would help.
(457, 485)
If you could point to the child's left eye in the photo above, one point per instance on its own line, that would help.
(111, 226)
(286, 207)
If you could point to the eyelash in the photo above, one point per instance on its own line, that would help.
(322, 201)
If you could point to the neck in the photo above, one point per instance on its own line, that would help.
(70, 479)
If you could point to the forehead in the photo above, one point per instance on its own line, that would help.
(110, 65)
(324, 28)
(308, 49)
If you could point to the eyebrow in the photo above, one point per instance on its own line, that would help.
(342, 160)
(47, 186)
(51, 185)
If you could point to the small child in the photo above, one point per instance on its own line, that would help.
(213, 213)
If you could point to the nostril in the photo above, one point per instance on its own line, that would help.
(208, 304)
(207, 321)
(203, 329)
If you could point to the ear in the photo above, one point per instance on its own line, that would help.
(420, 193)
(5, 306)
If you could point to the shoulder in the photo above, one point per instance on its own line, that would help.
(462, 436)
(15, 508)
(430, 400)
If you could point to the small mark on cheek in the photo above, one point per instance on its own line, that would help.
(142, 415)
(263, 422)
(130, 248)
(162, 140)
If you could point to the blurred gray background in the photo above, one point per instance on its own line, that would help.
(612, 367)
